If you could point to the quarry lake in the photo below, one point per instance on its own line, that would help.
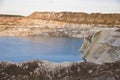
(55, 49)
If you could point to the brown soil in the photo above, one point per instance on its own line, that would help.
(36, 70)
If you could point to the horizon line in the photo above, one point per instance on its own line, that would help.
(61, 12)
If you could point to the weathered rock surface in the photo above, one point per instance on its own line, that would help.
(9, 19)
(56, 30)
(70, 24)
(78, 17)
(103, 46)
(40, 70)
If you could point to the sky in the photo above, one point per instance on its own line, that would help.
(26, 7)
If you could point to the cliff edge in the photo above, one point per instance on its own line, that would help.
(57, 24)
(103, 46)
(78, 17)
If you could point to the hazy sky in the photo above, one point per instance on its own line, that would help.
(25, 7)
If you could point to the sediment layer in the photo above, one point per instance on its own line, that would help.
(68, 24)
(103, 46)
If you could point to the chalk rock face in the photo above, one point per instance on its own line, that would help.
(103, 46)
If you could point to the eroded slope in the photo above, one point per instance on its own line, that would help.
(103, 46)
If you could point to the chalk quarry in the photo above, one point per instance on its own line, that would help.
(101, 46)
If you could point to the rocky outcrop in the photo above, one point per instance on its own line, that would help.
(42, 70)
(78, 17)
(69, 24)
(103, 46)
(46, 30)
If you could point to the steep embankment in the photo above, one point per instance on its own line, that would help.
(78, 17)
(103, 46)
(70, 24)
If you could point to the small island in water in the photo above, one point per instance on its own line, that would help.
(60, 46)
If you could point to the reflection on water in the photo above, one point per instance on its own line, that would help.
(55, 49)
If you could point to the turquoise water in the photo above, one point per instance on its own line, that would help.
(55, 49)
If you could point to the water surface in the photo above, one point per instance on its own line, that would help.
(55, 49)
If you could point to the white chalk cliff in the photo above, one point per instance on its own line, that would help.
(103, 46)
